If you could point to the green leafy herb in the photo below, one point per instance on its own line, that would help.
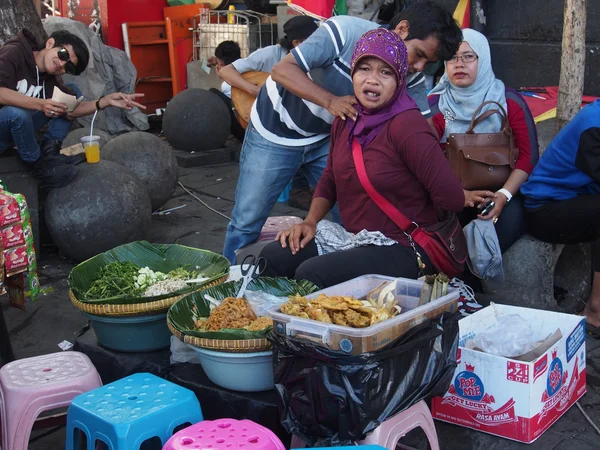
(114, 279)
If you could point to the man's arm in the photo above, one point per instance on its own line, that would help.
(231, 76)
(288, 74)
(8, 97)
(117, 99)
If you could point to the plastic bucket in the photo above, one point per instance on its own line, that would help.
(245, 372)
(132, 334)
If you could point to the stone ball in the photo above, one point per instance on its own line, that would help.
(74, 137)
(196, 120)
(150, 159)
(103, 207)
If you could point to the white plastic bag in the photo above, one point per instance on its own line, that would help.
(261, 302)
(182, 353)
(511, 336)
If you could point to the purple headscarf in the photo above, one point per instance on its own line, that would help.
(389, 48)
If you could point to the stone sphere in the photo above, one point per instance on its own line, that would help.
(103, 207)
(150, 159)
(196, 120)
(74, 137)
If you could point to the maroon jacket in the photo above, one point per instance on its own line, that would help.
(404, 163)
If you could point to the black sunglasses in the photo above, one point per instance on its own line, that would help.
(63, 55)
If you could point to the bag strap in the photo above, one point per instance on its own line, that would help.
(475, 120)
(392, 212)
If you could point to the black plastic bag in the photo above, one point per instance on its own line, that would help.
(329, 398)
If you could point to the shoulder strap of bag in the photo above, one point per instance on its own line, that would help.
(392, 212)
(477, 120)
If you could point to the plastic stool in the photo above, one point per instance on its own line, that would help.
(354, 447)
(225, 434)
(395, 428)
(126, 413)
(273, 225)
(31, 386)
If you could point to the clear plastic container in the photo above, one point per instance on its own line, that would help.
(360, 340)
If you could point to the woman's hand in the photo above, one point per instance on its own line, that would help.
(474, 198)
(500, 202)
(297, 236)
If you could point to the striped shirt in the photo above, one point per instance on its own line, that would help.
(286, 119)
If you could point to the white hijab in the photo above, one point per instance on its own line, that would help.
(458, 104)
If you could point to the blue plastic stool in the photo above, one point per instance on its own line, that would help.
(130, 411)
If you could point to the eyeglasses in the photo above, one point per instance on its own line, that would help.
(63, 55)
(466, 58)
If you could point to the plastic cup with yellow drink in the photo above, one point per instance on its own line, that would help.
(91, 144)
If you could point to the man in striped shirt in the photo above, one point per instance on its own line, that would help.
(292, 116)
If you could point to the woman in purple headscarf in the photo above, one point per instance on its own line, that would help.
(403, 162)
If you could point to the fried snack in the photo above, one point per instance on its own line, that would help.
(295, 306)
(357, 320)
(319, 314)
(260, 324)
(231, 313)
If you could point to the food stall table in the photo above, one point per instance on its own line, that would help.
(216, 402)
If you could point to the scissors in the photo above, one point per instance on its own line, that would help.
(251, 268)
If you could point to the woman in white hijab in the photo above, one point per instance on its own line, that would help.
(468, 82)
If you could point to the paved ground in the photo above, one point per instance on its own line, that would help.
(52, 319)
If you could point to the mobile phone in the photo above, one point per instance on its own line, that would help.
(487, 208)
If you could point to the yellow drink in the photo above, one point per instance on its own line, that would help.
(92, 152)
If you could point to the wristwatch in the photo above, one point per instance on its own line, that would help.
(506, 193)
(98, 103)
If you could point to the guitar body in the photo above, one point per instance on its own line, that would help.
(242, 101)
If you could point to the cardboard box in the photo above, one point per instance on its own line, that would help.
(511, 398)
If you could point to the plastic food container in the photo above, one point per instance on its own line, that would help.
(132, 334)
(360, 340)
(245, 372)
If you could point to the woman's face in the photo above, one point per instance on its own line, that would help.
(374, 82)
(462, 69)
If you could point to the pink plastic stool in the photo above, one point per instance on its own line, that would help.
(31, 386)
(224, 434)
(389, 433)
(273, 225)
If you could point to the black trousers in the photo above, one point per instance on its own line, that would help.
(511, 223)
(236, 129)
(337, 267)
(570, 221)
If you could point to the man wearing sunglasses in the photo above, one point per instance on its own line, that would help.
(28, 75)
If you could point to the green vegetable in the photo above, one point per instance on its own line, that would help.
(181, 274)
(114, 279)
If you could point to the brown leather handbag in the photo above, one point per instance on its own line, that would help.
(483, 160)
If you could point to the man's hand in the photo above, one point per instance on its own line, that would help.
(342, 107)
(297, 236)
(53, 109)
(120, 100)
(474, 198)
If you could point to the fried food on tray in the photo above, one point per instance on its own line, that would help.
(231, 313)
(339, 310)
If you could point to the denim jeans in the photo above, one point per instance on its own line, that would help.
(265, 170)
(18, 127)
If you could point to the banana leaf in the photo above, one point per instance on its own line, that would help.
(158, 257)
(181, 314)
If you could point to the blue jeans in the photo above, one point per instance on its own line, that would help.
(265, 170)
(18, 127)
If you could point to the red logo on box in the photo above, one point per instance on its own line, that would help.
(517, 372)
(540, 367)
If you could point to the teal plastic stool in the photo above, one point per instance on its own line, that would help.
(125, 414)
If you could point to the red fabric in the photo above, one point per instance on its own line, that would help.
(404, 163)
(539, 106)
(521, 132)
(321, 9)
